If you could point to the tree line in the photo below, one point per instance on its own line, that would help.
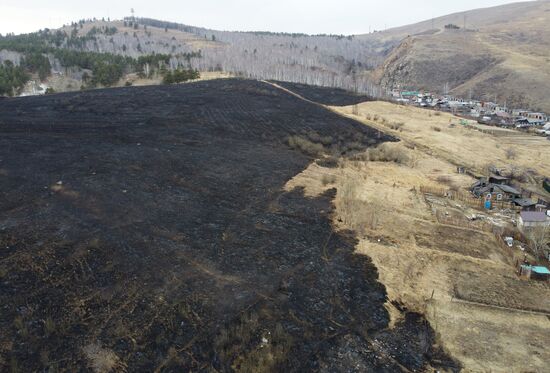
(107, 68)
(11, 78)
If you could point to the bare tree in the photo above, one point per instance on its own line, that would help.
(539, 238)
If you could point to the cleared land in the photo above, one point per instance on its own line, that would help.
(458, 277)
(325, 95)
(148, 229)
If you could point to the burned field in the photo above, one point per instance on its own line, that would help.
(147, 229)
(325, 95)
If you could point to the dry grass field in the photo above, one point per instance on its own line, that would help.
(460, 278)
(442, 135)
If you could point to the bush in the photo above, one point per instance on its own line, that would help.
(388, 153)
(328, 179)
(511, 153)
(329, 162)
(398, 126)
(305, 146)
(179, 76)
(436, 129)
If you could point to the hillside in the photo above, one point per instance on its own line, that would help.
(148, 229)
(327, 60)
(502, 53)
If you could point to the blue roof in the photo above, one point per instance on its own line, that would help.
(541, 270)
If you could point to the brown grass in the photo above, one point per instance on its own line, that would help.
(102, 360)
(459, 145)
(305, 146)
(415, 256)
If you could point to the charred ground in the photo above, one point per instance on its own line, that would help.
(325, 95)
(147, 229)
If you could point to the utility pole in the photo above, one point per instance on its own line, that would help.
(133, 14)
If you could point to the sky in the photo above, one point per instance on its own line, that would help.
(306, 16)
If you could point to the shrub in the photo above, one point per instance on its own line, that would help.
(398, 126)
(511, 153)
(329, 162)
(518, 174)
(178, 76)
(388, 153)
(328, 179)
(305, 146)
(436, 129)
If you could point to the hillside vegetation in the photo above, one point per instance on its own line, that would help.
(106, 51)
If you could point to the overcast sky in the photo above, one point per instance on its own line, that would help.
(308, 16)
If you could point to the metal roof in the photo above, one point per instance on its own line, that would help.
(540, 270)
(524, 202)
(533, 216)
(507, 189)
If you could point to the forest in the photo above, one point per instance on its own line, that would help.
(11, 76)
(38, 49)
(109, 50)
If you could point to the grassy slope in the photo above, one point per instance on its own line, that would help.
(504, 54)
(416, 255)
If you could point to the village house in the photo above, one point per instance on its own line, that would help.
(538, 118)
(495, 188)
(518, 113)
(533, 219)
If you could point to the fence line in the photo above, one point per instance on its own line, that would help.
(475, 225)
(464, 197)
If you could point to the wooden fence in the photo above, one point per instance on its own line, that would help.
(478, 225)
(465, 198)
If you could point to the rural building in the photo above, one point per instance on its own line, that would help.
(538, 117)
(533, 219)
(495, 191)
(500, 180)
(517, 113)
(535, 272)
(526, 204)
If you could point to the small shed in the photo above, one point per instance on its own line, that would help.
(526, 204)
(538, 273)
(500, 180)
